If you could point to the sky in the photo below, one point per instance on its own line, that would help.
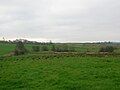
(60, 20)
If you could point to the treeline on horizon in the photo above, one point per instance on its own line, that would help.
(55, 47)
(25, 41)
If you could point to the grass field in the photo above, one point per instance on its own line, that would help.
(6, 48)
(60, 71)
(55, 72)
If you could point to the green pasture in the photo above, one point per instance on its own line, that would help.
(56, 72)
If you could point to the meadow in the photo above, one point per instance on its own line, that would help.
(59, 71)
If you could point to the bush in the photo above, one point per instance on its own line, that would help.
(20, 48)
(63, 48)
(36, 48)
(44, 48)
(53, 48)
(107, 49)
(71, 49)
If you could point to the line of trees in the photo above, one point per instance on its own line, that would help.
(53, 47)
(25, 42)
(20, 48)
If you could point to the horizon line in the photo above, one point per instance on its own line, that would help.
(46, 40)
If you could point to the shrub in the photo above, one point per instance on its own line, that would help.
(44, 48)
(107, 49)
(20, 48)
(53, 48)
(58, 49)
(64, 48)
(71, 49)
(36, 48)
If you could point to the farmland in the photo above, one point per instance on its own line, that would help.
(60, 70)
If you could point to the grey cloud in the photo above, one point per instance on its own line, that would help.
(62, 20)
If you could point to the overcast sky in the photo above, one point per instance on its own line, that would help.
(60, 20)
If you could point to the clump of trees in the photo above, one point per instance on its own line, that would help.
(20, 48)
(109, 49)
(62, 48)
(36, 48)
(40, 48)
(44, 48)
(53, 48)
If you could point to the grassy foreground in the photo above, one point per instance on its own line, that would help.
(60, 73)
